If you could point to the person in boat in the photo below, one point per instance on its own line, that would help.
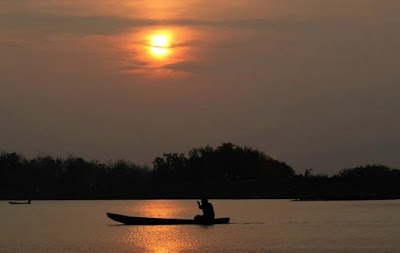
(208, 211)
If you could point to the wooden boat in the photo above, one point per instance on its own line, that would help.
(129, 220)
(19, 203)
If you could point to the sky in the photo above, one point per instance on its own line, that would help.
(312, 83)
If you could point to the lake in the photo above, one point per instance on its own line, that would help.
(256, 226)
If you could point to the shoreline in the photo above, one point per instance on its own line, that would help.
(211, 198)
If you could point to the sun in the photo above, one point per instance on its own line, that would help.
(159, 41)
(159, 44)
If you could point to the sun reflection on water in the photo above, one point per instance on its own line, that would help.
(157, 209)
(159, 239)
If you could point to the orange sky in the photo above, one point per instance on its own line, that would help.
(312, 83)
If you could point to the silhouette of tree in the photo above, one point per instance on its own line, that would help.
(225, 171)
(368, 171)
(170, 168)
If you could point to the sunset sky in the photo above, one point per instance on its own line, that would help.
(313, 83)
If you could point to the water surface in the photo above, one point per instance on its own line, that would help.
(257, 226)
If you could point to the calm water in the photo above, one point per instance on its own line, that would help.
(257, 226)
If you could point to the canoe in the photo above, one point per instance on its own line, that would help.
(129, 220)
(19, 203)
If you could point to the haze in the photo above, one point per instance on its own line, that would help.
(312, 83)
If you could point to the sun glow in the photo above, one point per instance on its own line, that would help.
(155, 50)
(160, 44)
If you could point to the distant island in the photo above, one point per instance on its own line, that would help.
(227, 171)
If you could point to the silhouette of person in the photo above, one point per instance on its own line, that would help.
(208, 211)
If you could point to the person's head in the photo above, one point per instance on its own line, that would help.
(204, 200)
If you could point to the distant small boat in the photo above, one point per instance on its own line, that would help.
(129, 220)
(20, 203)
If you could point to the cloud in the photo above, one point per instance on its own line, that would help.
(69, 24)
(190, 66)
(105, 25)
(179, 67)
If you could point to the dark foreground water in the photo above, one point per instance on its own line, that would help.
(257, 226)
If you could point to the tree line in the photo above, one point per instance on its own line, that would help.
(227, 171)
